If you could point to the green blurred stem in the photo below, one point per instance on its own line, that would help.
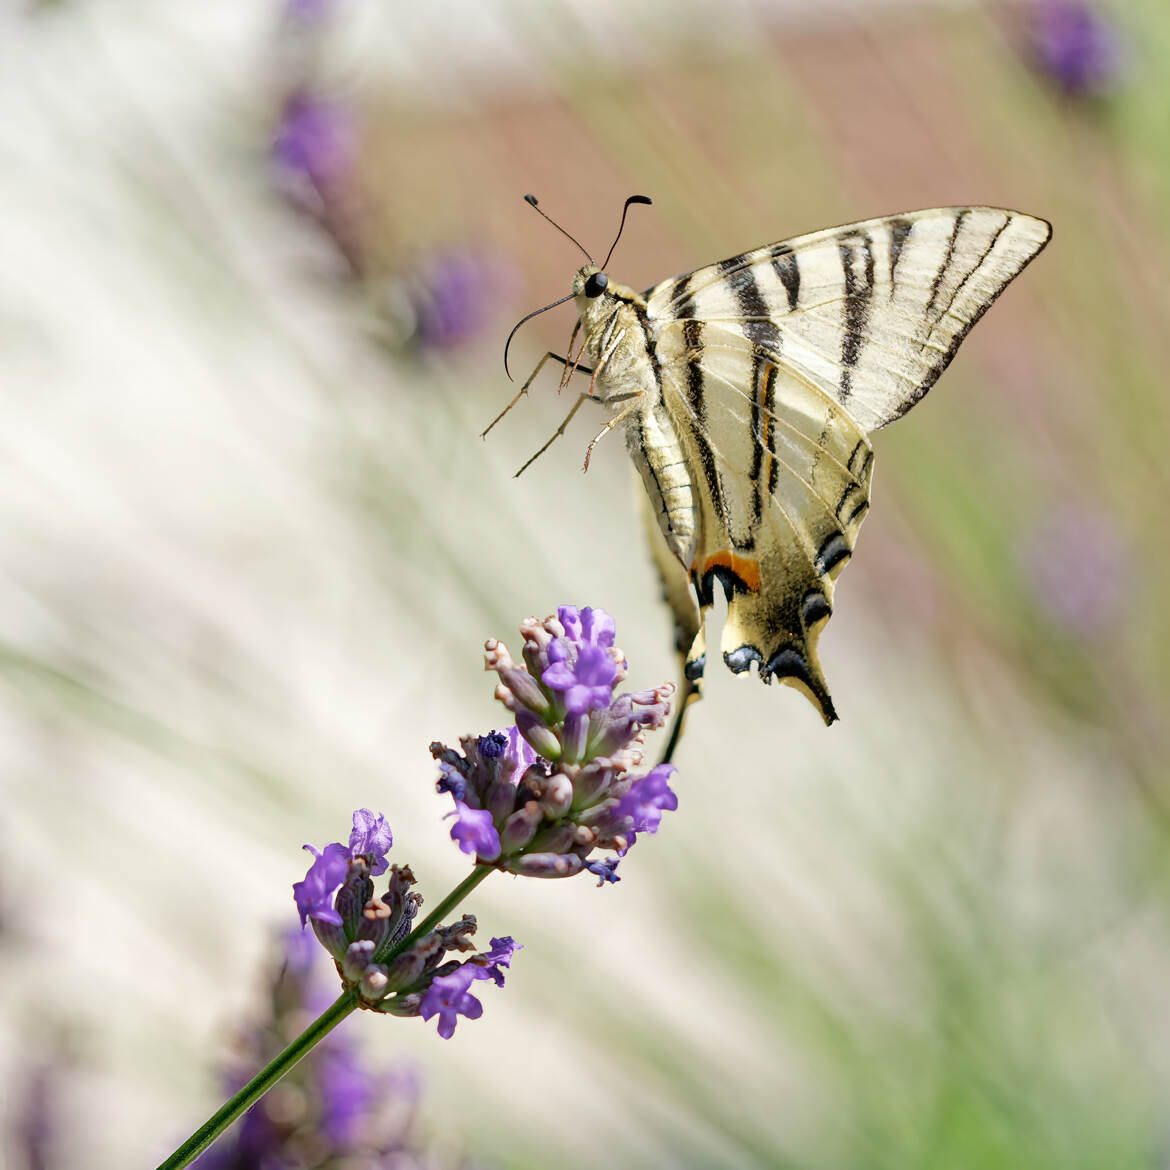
(262, 1082)
(345, 1003)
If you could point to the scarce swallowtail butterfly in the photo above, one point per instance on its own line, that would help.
(749, 389)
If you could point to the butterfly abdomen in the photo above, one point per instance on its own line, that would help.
(657, 453)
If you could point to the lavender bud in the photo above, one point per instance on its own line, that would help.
(544, 865)
(520, 827)
(357, 959)
(557, 798)
(401, 1005)
(405, 969)
(555, 839)
(576, 736)
(374, 984)
(332, 937)
(541, 738)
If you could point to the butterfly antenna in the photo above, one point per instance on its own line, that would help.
(632, 199)
(534, 313)
(531, 200)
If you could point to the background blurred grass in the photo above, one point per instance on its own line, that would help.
(251, 545)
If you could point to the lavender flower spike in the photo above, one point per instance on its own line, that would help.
(539, 799)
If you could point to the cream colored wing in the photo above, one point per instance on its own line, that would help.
(775, 366)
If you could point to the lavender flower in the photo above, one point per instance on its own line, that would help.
(1074, 44)
(315, 146)
(367, 937)
(539, 798)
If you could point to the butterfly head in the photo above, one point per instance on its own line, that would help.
(593, 295)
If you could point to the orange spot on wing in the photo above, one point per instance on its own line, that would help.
(747, 570)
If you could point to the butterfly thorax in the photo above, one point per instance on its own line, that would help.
(620, 349)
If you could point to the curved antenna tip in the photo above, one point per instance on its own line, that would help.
(641, 199)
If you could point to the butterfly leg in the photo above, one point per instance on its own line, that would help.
(555, 435)
(573, 365)
(634, 397)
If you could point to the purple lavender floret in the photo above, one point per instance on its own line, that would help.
(488, 963)
(371, 836)
(647, 798)
(474, 832)
(584, 685)
(604, 870)
(314, 896)
(448, 998)
(1076, 45)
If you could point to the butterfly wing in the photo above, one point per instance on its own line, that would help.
(775, 366)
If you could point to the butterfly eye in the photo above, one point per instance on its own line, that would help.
(596, 285)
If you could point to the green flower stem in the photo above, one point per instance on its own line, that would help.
(262, 1081)
(345, 1003)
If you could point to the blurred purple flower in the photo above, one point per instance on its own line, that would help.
(334, 1110)
(315, 144)
(1074, 43)
(310, 11)
(1077, 562)
(448, 998)
(455, 294)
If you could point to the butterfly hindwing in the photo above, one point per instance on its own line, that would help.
(784, 476)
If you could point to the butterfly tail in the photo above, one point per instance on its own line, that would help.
(788, 649)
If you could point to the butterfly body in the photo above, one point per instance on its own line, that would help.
(748, 390)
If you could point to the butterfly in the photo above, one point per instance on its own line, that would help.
(748, 390)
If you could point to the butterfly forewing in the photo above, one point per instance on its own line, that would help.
(773, 367)
(871, 312)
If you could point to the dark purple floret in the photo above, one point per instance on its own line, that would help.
(448, 998)
(492, 745)
(605, 870)
(1077, 46)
